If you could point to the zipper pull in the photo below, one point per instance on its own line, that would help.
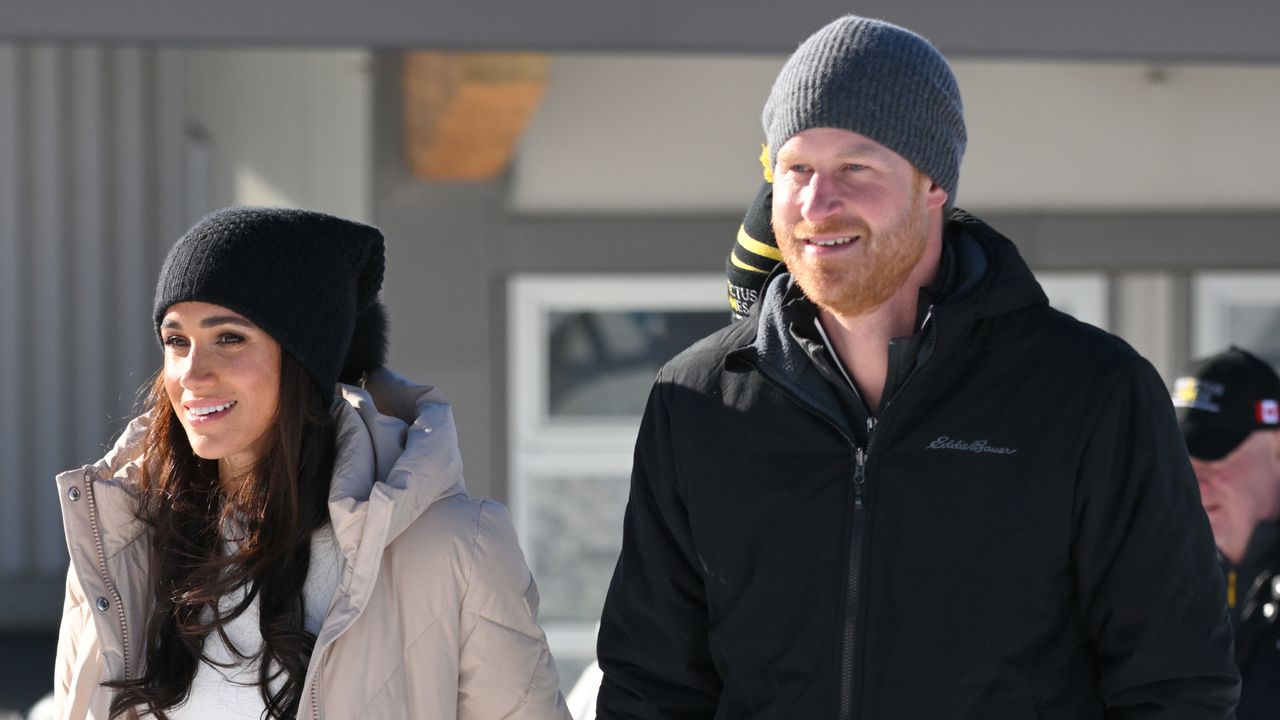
(859, 476)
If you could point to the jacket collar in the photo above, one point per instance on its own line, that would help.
(779, 355)
(996, 280)
(981, 275)
(397, 454)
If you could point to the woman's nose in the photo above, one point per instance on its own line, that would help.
(198, 370)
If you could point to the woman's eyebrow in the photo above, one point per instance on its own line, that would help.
(225, 320)
(211, 322)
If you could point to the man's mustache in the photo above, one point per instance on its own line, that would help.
(834, 226)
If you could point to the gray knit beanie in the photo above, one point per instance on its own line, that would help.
(878, 80)
(310, 280)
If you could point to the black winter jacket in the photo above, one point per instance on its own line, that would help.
(1019, 537)
(1252, 586)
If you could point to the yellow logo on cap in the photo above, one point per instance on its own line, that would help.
(1188, 392)
(1184, 390)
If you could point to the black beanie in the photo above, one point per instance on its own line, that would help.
(754, 254)
(304, 277)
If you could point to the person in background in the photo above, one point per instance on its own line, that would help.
(1228, 407)
(285, 531)
(968, 505)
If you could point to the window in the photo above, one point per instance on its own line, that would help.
(583, 355)
(1241, 308)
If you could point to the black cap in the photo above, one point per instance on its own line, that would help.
(310, 280)
(754, 254)
(1223, 399)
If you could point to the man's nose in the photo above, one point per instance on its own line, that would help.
(822, 201)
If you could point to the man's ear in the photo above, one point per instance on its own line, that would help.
(935, 197)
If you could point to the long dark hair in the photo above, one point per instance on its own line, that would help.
(275, 510)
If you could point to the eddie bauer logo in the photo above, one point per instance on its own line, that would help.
(977, 446)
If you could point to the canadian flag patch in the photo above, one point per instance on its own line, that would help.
(1269, 412)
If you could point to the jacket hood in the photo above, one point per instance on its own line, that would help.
(999, 283)
(982, 275)
(397, 454)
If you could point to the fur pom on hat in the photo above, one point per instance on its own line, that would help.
(368, 344)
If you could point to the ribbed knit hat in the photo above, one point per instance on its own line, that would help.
(878, 80)
(304, 277)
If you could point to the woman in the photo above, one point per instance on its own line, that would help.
(267, 542)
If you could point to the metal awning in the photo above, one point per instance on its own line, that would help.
(1142, 30)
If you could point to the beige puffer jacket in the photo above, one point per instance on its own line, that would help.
(435, 615)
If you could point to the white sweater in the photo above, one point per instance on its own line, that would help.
(229, 690)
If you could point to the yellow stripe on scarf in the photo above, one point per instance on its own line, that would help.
(738, 263)
(752, 245)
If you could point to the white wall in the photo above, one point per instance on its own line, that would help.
(632, 133)
(284, 127)
(1065, 136)
(682, 134)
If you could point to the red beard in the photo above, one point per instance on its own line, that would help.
(861, 278)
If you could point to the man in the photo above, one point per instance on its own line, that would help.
(905, 487)
(1229, 409)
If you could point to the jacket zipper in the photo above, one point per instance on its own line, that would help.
(848, 653)
(847, 659)
(92, 507)
(855, 547)
(315, 700)
(849, 664)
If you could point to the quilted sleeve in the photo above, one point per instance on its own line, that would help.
(505, 667)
